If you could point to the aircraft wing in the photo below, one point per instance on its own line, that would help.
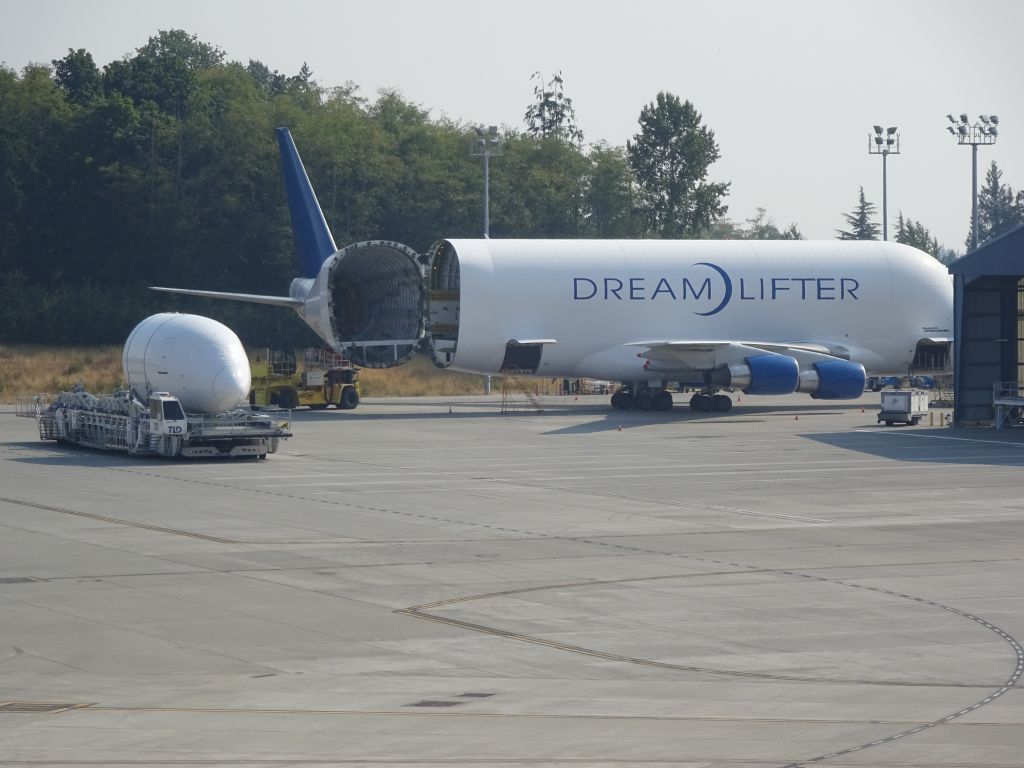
(710, 353)
(705, 355)
(252, 298)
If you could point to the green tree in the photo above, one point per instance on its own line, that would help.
(759, 227)
(271, 83)
(537, 189)
(670, 157)
(861, 227)
(34, 141)
(610, 199)
(552, 115)
(916, 235)
(434, 187)
(163, 71)
(762, 227)
(78, 76)
(1000, 209)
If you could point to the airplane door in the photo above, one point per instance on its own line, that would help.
(522, 358)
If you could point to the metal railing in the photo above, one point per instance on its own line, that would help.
(1007, 403)
(30, 406)
(1008, 390)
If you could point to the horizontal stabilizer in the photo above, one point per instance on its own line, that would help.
(251, 298)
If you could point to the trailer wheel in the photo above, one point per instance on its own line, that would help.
(915, 421)
(888, 423)
(287, 397)
(349, 398)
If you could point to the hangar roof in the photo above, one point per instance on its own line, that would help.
(1003, 256)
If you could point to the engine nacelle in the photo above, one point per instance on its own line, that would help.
(834, 380)
(760, 375)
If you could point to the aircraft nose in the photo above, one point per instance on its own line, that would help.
(231, 386)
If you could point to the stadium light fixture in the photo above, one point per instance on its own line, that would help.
(981, 133)
(891, 146)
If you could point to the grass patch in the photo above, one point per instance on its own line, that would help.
(28, 370)
(418, 378)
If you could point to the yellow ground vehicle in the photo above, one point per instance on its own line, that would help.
(292, 377)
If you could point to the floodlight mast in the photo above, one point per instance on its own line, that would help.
(982, 132)
(487, 144)
(884, 145)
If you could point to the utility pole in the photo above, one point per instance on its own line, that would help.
(486, 145)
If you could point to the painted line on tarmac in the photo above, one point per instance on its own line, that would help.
(902, 433)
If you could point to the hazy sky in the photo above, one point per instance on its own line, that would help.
(790, 88)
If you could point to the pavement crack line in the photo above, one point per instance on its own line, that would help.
(423, 611)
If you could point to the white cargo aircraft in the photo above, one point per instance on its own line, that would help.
(763, 317)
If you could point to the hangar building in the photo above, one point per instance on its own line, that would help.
(988, 307)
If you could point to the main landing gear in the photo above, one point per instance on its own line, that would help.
(660, 399)
(644, 399)
(705, 402)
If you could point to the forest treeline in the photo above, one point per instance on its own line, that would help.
(162, 168)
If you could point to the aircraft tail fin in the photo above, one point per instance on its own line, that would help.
(313, 240)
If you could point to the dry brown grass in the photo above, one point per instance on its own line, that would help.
(418, 378)
(27, 370)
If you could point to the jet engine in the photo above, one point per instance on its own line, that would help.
(833, 380)
(773, 374)
(759, 375)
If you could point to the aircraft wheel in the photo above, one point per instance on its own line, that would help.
(663, 401)
(700, 402)
(621, 400)
(644, 401)
(721, 403)
(349, 398)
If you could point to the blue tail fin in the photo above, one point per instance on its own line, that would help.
(313, 240)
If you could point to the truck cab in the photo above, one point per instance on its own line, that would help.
(167, 415)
